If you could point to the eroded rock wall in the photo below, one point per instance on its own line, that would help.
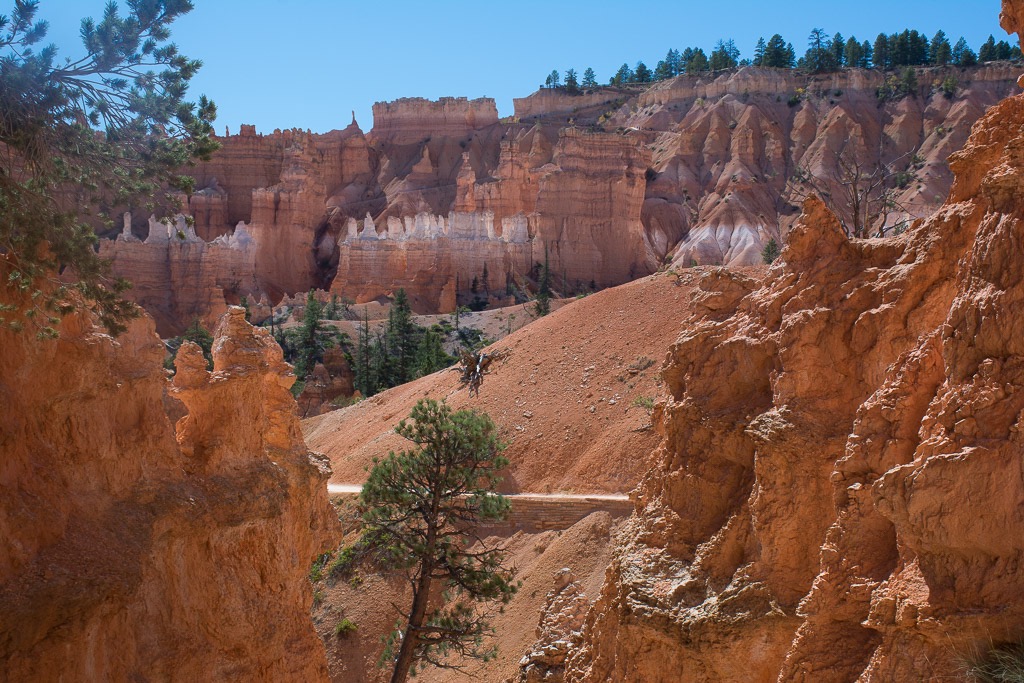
(726, 149)
(179, 277)
(613, 183)
(131, 549)
(837, 494)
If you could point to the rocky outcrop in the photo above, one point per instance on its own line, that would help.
(561, 621)
(726, 148)
(180, 277)
(836, 495)
(413, 119)
(134, 550)
(612, 183)
(331, 380)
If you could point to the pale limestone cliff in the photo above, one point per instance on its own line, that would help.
(179, 277)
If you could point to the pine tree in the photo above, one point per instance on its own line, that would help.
(987, 52)
(724, 56)
(698, 63)
(790, 56)
(867, 53)
(308, 335)
(838, 51)
(305, 345)
(642, 74)
(940, 53)
(364, 378)
(623, 75)
(819, 57)
(771, 251)
(110, 129)
(918, 49)
(759, 51)
(543, 304)
(775, 53)
(880, 53)
(421, 506)
(589, 78)
(662, 71)
(853, 54)
(402, 340)
(963, 55)
(572, 85)
(430, 353)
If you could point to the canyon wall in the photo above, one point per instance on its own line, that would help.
(178, 277)
(726, 150)
(134, 549)
(611, 184)
(837, 492)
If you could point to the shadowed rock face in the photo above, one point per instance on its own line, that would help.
(131, 549)
(611, 184)
(837, 493)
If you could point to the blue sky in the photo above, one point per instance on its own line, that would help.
(309, 64)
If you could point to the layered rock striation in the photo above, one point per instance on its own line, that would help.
(837, 493)
(611, 184)
(726, 150)
(179, 277)
(134, 549)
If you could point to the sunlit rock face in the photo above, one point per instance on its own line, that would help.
(837, 493)
(135, 549)
(608, 186)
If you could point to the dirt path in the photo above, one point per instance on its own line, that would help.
(356, 488)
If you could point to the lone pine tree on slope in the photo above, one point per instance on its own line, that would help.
(421, 507)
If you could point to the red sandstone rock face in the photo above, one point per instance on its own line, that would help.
(690, 170)
(725, 148)
(129, 550)
(332, 379)
(179, 277)
(837, 493)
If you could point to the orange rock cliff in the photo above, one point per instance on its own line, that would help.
(134, 550)
(610, 185)
(837, 493)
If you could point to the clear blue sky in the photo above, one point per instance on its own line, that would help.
(309, 64)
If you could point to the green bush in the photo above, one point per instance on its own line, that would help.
(645, 402)
(345, 627)
(343, 562)
(949, 86)
(316, 572)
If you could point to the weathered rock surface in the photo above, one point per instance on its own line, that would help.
(131, 550)
(565, 609)
(725, 149)
(611, 184)
(332, 379)
(178, 277)
(837, 493)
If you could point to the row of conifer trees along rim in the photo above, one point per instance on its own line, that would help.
(823, 54)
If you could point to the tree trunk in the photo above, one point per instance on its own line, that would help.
(410, 639)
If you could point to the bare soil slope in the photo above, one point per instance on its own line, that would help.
(565, 399)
